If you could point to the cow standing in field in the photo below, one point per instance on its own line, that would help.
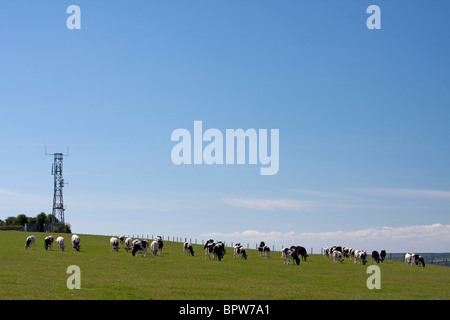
(337, 256)
(155, 247)
(48, 242)
(382, 255)
(261, 248)
(128, 244)
(266, 252)
(144, 246)
(285, 254)
(360, 256)
(160, 243)
(187, 249)
(408, 258)
(29, 242)
(209, 246)
(326, 251)
(60, 243)
(418, 259)
(137, 248)
(300, 251)
(293, 254)
(121, 239)
(75, 242)
(239, 250)
(375, 256)
(114, 242)
(219, 251)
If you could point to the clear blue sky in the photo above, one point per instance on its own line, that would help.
(363, 118)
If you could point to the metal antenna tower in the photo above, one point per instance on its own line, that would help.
(58, 201)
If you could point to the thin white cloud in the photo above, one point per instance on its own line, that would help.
(410, 193)
(269, 204)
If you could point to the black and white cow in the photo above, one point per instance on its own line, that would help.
(266, 252)
(160, 243)
(375, 256)
(293, 254)
(334, 248)
(360, 256)
(154, 247)
(326, 251)
(382, 255)
(114, 242)
(60, 243)
(144, 245)
(209, 246)
(418, 259)
(138, 247)
(409, 258)
(219, 250)
(239, 250)
(48, 242)
(75, 242)
(121, 239)
(337, 256)
(300, 251)
(285, 254)
(187, 249)
(261, 248)
(128, 244)
(30, 242)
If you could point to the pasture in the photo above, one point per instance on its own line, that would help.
(41, 274)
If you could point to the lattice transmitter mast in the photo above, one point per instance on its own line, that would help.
(58, 221)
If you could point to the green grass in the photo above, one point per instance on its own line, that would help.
(41, 274)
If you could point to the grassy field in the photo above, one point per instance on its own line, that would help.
(41, 274)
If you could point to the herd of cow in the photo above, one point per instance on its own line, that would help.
(337, 253)
(137, 246)
(48, 243)
(217, 249)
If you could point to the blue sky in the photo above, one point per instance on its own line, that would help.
(363, 118)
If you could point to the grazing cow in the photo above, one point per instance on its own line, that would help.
(128, 244)
(326, 251)
(418, 259)
(154, 247)
(266, 252)
(114, 242)
(293, 254)
(360, 256)
(337, 256)
(261, 248)
(382, 255)
(239, 250)
(75, 242)
(285, 254)
(30, 241)
(48, 242)
(300, 251)
(351, 253)
(60, 243)
(408, 258)
(121, 239)
(345, 252)
(375, 256)
(187, 249)
(137, 247)
(209, 246)
(218, 250)
(144, 245)
(160, 243)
